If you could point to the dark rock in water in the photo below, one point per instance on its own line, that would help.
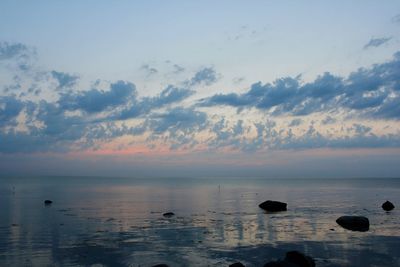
(48, 202)
(299, 259)
(161, 265)
(354, 223)
(293, 259)
(237, 264)
(275, 264)
(273, 206)
(168, 214)
(388, 206)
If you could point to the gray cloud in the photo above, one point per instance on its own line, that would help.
(10, 108)
(238, 80)
(9, 51)
(270, 137)
(186, 120)
(19, 53)
(376, 42)
(63, 79)
(178, 69)
(205, 76)
(295, 122)
(96, 100)
(177, 127)
(328, 120)
(369, 92)
(149, 70)
(396, 19)
(168, 96)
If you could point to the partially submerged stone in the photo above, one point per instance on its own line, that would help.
(299, 259)
(168, 214)
(293, 259)
(273, 206)
(237, 264)
(387, 206)
(354, 223)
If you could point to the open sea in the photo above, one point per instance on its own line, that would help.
(119, 221)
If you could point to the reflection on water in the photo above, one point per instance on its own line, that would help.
(119, 222)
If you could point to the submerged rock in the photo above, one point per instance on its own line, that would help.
(48, 202)
(273, 206)
(293, 259)
(354, 223)
(161, 265)
(299, 259)
(388, 206)
(237, 264)
(168, 214)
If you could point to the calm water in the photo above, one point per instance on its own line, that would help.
(119, 222)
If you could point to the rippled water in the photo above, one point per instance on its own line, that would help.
(119, 222)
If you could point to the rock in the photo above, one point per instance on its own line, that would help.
(237, 264)
(48, 202)
(388, 206)
(354, 223)
(161, 265)
(273, 206)
(168, 214)
(275, 264)
(293, 259)
(299, 259)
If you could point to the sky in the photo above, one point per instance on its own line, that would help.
(200, 88)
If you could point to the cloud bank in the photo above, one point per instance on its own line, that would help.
(49, 110)
(368, 92)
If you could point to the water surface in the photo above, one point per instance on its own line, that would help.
(119, 222)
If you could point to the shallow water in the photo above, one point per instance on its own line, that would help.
(119, 222)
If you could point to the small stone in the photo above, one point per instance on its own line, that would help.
(168, 214)
(387, 206)
(273, 206)
(354, 223)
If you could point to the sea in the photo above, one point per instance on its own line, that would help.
(111, 221)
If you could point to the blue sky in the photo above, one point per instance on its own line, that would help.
(270, 88)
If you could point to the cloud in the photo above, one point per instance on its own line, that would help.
(75, 120)
(9, 51)
(396, 19)
(376, 42)
(328, 120)
(238, 80)
(10, 108)
(295, 122)
(178, 69)
(369, 92)
(21, 54)
(316, 140)
(63, 79)
(149, 70)
(186, 120)
(96, 100)
(168, 96)
(205, 76)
